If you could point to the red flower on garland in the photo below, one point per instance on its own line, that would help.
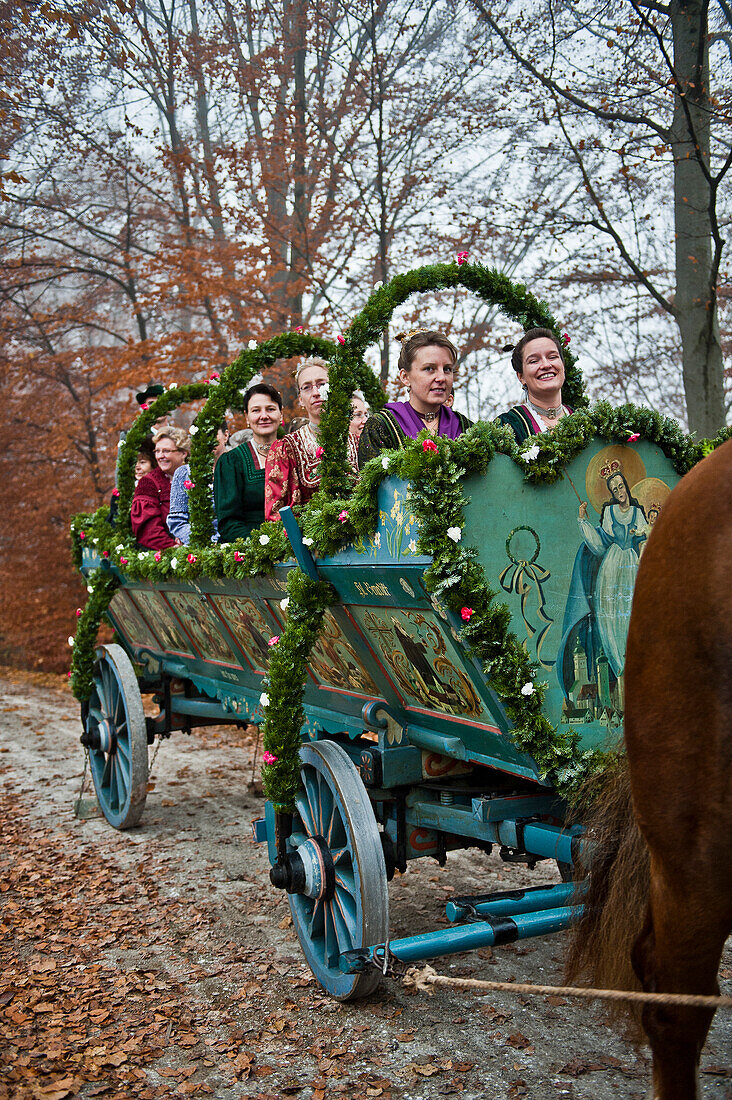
(238, 556)
(158, 556)
(343, 516)
(319, 452)
(82, 535)
(115, 492)
(633, 437)
(144, 406)
(462, 258)
(188, 484)
(123, 561)
(341, 339)
(299, 329)
(78, 612)
(274, 640)
(192, 558)
(466, 614)
(566, 339)
(269, 757)
(105, 553)
(428, 445)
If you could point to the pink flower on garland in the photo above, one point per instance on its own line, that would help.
(191, 558)
(340, 339)
(319, 452)
(566, 339)
(82, 535)
(343, 516)
(274, 639)
(428, 445)
(466, 614)
(123, 561)
(238, 556)
(144, 406)
(299, 329)
(462, 258)
(269, 757)
(188, 484)
(78, 612)
(105, 553)
(158, 556)
(115, 492)
(633, 437)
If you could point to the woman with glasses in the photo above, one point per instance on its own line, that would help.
(292, 474)
(151, 502)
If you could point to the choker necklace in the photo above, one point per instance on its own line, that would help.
(550, 414)
(428, 417)
(263, 448)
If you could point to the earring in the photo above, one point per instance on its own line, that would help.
(525, 392)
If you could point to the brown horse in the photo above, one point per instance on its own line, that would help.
(661, 878)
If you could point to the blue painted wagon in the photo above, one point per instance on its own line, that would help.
(439, 657)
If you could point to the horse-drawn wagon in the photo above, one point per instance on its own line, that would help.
(436, 656)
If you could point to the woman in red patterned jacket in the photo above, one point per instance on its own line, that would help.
(151, 502)
(292, 474)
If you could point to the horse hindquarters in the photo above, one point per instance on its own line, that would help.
(677, 732)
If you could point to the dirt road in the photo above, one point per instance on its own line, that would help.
(159, 962)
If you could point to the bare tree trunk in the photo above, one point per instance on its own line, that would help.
(696, 262)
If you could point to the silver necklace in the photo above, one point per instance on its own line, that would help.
(550, 414)
(427, 417)
(263, 448)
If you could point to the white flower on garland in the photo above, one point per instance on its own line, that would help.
(143, 555)
(284, 604)
(324, 390)
(385, 462)
(120, 547)
(307, 542)
(455, 533)
(264, 699)
(173, 563)
(119, 444)
(528, 689)
(412, 546)
(263, 540)
(71, 640)
(531, 453)
(192, 430)
(89, 588)
(252, 345)
(172, 385)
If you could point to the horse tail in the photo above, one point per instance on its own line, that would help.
(616, 904)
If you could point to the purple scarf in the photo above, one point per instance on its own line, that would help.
(411, 424)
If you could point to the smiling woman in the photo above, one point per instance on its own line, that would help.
(151, 502)
(539, 364)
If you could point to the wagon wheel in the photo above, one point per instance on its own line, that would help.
(334, 823)
(116, 738)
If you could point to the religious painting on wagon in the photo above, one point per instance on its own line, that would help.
(335, 663)
(129, 622)
(564, 559)
(247, 624)
(420, 659)
(615, 517)
(203, 624)
(154, 608)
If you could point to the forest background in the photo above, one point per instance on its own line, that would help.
(180, 177)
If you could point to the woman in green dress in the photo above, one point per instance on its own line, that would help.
(239, 473)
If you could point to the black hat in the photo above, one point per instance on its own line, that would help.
(154, 389)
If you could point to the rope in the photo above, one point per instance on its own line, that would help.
(422, 979)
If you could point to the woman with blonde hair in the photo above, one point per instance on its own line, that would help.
(151, 502)
(292, 474)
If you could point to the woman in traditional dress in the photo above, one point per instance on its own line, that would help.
(239, 473)
(151, 502)
(292, 472)
(426, 368)
(539, 363)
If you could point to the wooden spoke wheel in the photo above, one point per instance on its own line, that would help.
(346, 905)
(116, 738)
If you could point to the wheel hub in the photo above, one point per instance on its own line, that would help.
(309, 870)
(101, 736)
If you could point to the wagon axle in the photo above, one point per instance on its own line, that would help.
(308, 870)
